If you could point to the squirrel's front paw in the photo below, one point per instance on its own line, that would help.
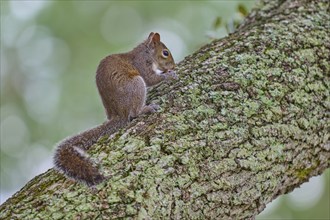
(171, 75)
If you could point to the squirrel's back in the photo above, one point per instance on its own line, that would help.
(121, 87)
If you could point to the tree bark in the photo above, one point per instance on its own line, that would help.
(247, 121)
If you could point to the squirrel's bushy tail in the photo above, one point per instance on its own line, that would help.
(71, 157)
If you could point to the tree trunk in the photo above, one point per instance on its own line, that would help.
(247, 121)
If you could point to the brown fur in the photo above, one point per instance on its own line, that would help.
(122, 81)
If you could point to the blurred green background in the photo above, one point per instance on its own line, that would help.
(49, 54)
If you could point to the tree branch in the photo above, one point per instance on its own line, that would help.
(247, 121)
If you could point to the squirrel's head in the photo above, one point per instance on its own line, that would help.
(161, 54)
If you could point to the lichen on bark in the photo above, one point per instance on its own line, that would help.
(248, 120)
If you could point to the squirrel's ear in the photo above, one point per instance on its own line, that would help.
(156, 37)
(150, 36)
(153, 38)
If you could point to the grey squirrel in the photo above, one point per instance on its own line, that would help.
(122, 81)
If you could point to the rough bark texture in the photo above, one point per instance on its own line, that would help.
(247, 121)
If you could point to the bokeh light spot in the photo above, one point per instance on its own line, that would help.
(26, 9)
(14, 135)
(308, 194)
(129, 20)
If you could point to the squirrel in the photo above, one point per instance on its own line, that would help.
(122, 81)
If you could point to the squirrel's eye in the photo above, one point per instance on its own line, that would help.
(165, 53)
